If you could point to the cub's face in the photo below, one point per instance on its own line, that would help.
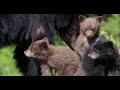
(101, 49)
(38, 50)
(90, 26)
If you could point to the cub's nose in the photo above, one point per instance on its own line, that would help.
(28, 53)
(25, 52)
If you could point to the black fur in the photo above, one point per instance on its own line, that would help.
(111, 65)
(70, 32)
(20, 28)
(108, 61)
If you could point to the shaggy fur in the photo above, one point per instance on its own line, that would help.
(89, 32)
(22, 29)
(79, 39)
(105, 57)
(64, 60)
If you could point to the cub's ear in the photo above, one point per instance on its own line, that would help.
(82, 18)
(109, 44)
(46, 39)
(43, 45)
(99, 19)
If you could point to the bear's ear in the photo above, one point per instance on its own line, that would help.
(82, 18)
(43, 45)
(46, 39)
(109, 44)
(99, 19)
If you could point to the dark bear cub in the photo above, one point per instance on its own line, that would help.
(105, 56)
(64, 60)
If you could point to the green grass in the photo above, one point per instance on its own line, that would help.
(7, 63)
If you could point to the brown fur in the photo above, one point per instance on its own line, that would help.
(39, 31)
(45, 70)
(64, 60)
(89, 32)
(119, 51)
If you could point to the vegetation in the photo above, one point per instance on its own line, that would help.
(110, 28)
(7, 64)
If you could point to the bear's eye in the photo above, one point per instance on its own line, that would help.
(93, 29)
(31, 49)
(85, 29)
(97, 51)
(94, 49)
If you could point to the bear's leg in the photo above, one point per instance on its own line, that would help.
(45, 70)
(59, 73)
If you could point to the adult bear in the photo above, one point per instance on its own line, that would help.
(22, 29)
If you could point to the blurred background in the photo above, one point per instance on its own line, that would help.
(110, 28)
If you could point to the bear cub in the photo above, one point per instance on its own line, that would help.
(63, 59)
(89, 32)
(106, 57)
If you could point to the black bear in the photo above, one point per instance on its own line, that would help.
(105, 56)
(63, 59)
(22, 29)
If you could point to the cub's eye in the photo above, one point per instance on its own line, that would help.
(97, 51)
(93, 29)
(85, 29)
(31, 49)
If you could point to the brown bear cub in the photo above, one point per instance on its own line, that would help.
(64, 60)
(89, 32)
(82, 37)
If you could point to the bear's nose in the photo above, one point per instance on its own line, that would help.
(25, 52)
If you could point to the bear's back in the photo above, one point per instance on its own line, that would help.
(64, 55)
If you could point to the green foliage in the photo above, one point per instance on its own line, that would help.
(7, 64)
(111, 29)
(59, 41)
(110, 37)
(53, 72)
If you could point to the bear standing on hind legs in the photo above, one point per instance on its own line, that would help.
(89, 32)
(82, 33)
(23, 29)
